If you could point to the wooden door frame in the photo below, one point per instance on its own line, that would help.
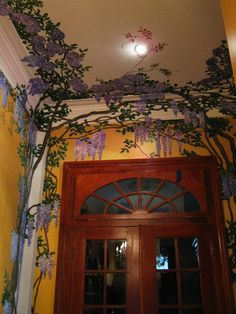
(214, 219)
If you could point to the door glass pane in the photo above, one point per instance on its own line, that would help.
(134, 200)
(190, 286)
(93, 289)
(168, 311)
(116, 254)
(94, 254)
(129, 185)
(93, 205)
(155, 202)
(165, 208)
(149, 184)
(169, 189)
(117, 210)
(116, 311)
(192, 311)
(93, 311)
(165, 253)
(188, 252)
(116, 292)
(167, 288)
(187, 203)
(123, 201)
(108, 192)
(144, 199)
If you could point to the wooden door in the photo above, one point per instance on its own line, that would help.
(142, 237)
(176, 270)
(106, 271)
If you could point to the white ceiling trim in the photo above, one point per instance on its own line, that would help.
(12, 51)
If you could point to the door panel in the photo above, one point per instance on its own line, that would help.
(175, 269)
(106, 273)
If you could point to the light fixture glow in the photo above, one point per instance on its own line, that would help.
(141, 50)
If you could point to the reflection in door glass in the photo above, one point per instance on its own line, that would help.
(188, 252)
(94, 254)
(116, 311)
(165, 253)
(187, 203)
(190, 287)
(167, 288)
(93, 289)
(178, 276)
(168, 311)
(93, 311)
(192, 311)
(116, 254)
(93, 205)
(116, 288)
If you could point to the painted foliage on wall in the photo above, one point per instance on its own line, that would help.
(59, 75)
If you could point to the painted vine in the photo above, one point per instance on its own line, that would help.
(59, 75)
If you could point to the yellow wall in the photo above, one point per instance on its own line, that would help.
(9, 171)
(229, 10)
(112, 151)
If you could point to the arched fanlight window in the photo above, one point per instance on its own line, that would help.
(147, 194)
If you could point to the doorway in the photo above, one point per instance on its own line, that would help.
(142, 236)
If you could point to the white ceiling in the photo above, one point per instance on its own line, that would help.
(191, 28)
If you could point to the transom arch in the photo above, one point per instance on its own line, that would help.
(149, 195)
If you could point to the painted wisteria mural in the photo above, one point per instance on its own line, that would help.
(59, 75)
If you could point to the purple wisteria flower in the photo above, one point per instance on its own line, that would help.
(80, 149)
(57, 34)
(30, 229)
(141, 134)
(43, 216)
(5, 9)
(170, 141)
(164, 145)
(187, 116)
(34, 60)
(201, 119)
(140, 106)
(78, 85)
(158, 144)
(95, 145)
(22, 186)
(7, 307)
(56, 207)
(31, 25)
(54, 48)
(179, 137)
(36, 86)
(228, 180)
(19, 113)
(14, 245)
(48, 66)
(229, 107)
(98, 142)
(73, 59)
(4, 84)
(46, 265)
(38, 43)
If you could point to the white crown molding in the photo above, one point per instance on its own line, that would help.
(12, 51)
